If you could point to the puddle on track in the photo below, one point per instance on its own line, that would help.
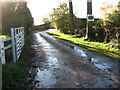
(46, 77)
(53, 62)
(81, 52)
(101, 61)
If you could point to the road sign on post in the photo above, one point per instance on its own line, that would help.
(90, 18)
(71, 17)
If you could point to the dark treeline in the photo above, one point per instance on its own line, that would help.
(16, 14)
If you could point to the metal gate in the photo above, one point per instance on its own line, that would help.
(17, 39)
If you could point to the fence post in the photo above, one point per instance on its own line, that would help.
(2, 52)
(13, 45)
(16, 43)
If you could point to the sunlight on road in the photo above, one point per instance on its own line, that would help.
(45, 76)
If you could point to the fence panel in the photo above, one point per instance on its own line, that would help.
(19, 41)
(17, 38)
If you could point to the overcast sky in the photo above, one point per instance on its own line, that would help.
(40, 8)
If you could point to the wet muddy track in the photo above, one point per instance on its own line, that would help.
(56, 66)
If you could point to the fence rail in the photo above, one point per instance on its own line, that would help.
(17, 39)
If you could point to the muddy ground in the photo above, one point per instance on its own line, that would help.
(55, 65)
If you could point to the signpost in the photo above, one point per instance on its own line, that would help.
(90, 18)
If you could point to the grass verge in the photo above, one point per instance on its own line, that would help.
(14, 76)
(109, 49)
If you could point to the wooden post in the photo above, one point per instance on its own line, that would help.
(13, 45)
(2, 52)
(72, 25)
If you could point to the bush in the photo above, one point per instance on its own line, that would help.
(101, 34)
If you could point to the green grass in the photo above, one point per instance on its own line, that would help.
(108, 49)
(14, 75)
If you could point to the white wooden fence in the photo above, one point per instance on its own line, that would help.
(17, 39)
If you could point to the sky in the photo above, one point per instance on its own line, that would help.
(42, 8)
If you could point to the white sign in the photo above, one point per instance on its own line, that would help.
(90, 18)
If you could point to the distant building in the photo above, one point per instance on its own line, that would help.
(43, 26)
(48, 25)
